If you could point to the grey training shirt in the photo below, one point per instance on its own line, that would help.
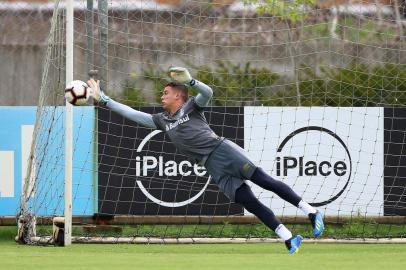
(188, 130)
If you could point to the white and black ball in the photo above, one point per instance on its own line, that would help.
(77, 92)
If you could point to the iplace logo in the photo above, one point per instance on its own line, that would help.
(161, 168)
(317, 159)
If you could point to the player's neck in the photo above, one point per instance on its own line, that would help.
(175, 108)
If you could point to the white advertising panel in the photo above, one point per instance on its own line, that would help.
(332, 157)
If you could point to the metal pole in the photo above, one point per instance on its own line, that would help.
(89, 32)
(68, 125)
(103, 42)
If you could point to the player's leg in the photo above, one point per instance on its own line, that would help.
(228, 165)
(262, 179)
(246, 198)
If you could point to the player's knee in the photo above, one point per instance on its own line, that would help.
(244, 195)
(261, 178)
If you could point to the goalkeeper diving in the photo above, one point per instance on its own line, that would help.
(184, 123)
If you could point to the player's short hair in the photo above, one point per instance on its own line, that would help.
(181, 88)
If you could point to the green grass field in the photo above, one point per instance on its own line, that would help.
(204, 256)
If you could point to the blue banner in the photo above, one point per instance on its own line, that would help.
(16, 131)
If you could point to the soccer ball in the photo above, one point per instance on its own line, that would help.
(77, 93)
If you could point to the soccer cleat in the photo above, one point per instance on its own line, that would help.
(317, 223)
(293, 244)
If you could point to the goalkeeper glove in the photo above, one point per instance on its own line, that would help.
(182, 75)
(97, 94)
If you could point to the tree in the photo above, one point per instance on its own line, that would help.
(358, 85)
(293, 13)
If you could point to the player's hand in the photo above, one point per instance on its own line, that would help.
(97, 94)
(181, 74)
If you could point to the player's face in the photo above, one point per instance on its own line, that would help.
(169, 98)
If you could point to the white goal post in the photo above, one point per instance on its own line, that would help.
(69, 125)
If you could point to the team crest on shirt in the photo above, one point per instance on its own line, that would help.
(246, 167)
(177, 122)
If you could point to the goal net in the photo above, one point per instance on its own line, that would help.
(315, 94)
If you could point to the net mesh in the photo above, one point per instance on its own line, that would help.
(314, 97)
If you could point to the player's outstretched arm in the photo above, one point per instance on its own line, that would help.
(182, 75)
(144, 119)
